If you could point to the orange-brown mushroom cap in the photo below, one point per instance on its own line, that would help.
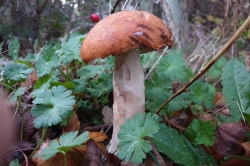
(125, 30)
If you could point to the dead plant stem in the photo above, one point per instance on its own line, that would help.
(212, 61)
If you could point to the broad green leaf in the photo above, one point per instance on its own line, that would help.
(235, 82)
(202, 93)
(68, 85)
(16, 71)
(173, 67)
(216, 70)
(81, 84)
(132, 146)
(169, 142)
(19, 92)
(65, 143)
(51, 106)
(47, 61)
(201, 132)
(13, 48)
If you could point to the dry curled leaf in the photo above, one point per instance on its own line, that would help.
(229, 137)
(93, 155)
(97, 136)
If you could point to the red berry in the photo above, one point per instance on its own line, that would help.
(95, 17)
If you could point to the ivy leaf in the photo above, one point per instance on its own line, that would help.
(19, 92)
(235, 82)
(13, 48)
(65, 143)
(169, 142)
(52, 106)
(16, 71)
(47, 61)
(179, 102)
(202, 94)
(216, 70)
(201, 133)
(132, 146)
(173, 67)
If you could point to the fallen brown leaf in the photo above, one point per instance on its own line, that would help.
(97, 136)
(93, 155)
(72, 125)
(229, 137)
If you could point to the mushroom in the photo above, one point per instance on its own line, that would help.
(125, 35)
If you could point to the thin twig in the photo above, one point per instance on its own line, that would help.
(217, 56)
(115, 5)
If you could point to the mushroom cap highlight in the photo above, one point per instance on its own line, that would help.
(125, 30)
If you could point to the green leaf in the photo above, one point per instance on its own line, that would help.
(51, 106)
(173, 67)
(179, 102)
(47, 61)
(17, 72)
(68, 85)
(13, 48)
(169, 142)
(65, 143)
(201, 133)
(132, 146)
(235, 82)
(216, 70)
(14, 163)
(19, 92)
(158, 89)
(90, 71)
(202, 93)
(81, 84)
(71, 49)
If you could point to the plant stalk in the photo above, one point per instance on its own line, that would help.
(212, 61)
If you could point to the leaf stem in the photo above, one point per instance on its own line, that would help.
(154, 158)
(238, 157)
(212, 61)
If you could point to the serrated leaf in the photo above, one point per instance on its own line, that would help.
(179, 102)
(17, 72)
(202, 93)
(51, 106)
(13, 48)
(47, 61)
(65, 143)
(19, 92)
(173, 67)
(71, 49)
(235, 82)
(201, 132)
(216, 70)
(132, 146)
(158, 89)
(90, 71)
(169, 142)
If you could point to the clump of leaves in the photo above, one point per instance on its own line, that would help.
(133, 146)
(65, 143)
(201, 132)
(52, 106)
(171, 143)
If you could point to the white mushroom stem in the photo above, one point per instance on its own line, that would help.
(129, 91)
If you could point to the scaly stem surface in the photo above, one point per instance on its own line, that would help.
(129, 91)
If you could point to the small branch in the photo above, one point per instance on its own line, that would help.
(217, 56)
(115, 5)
